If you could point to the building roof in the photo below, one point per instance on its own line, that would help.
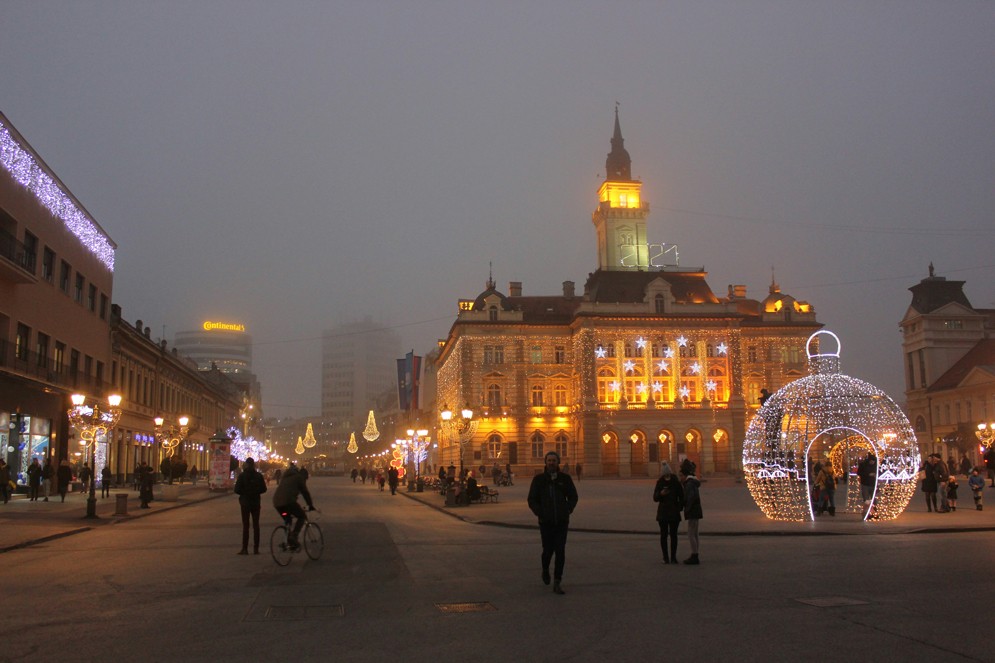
(982, 355)
(618, 165)
(934, 292)
(628, 287)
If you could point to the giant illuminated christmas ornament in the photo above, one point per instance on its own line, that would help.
(829, 418)
(309, 440)
(299, 449)
(353, 447)
(370, 433)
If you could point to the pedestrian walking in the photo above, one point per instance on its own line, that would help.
(826, 479)
(34, 480)
(381, 479)
(392, 479)
(85, 476)
(249, 486)
(929, 484)
(47, 476)
(552, 498)
(146, 482)
(5, 480)
(965, 465)
(977, 484)
(495, 473)
(194, 475)
(692, 507)
(867, 472)
(105, 482)
(63, 477)
(669, 497)
(579, 471)
(354, 474)
(942, 474)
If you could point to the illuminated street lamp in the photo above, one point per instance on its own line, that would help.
(459, 430)
(986, 434)
(93, 422)
(171, 436)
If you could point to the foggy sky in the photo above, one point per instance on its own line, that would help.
(295, 165)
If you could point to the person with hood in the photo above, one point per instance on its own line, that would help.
(692, 507)
(292, 485)
(669, 496)
(552, 498)
(249, 486)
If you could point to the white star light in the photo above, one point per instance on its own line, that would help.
(614, 385)
(663, 365)
(640, 342)
(641, 388)
(600, 352)
(685, 392)
(629, 365)
(722, 348)
(696, 368)
(657, 386)
(710, 385)
(682, 341)
(668, 352)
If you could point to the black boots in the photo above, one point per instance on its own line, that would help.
(693, 559)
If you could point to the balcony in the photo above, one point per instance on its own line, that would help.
(28, 365)
(17, 265)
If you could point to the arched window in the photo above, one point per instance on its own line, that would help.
(494, 446)
(492, 313)
(608, 386)
(561, 440)
(538, 441)
(920, 424)
(494, 395)
(538, 395)
(659, 305)
(559, 395)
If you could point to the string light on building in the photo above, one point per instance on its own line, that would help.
(828, 417)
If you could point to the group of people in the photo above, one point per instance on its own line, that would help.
(939, 481)
(553, 497)
(41, 478)
(250, 486)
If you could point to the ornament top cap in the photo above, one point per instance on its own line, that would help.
(823, 362)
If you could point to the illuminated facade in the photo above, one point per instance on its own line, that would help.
(949, 351)
(56, 277)
(646, 365)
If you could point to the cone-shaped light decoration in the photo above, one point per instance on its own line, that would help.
(353, 447)
(371, 433)
(309, 440)
(299, 449)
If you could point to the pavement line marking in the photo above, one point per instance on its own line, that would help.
(459, 608)
(831, 601)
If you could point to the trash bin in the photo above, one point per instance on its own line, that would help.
(451, 496)
(121, 505)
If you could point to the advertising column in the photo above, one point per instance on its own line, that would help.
(219, 463)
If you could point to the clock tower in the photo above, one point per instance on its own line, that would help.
(620, 218)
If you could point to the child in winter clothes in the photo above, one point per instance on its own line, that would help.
(952, 492)
(977, 484)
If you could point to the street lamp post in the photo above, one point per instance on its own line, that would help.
(459, 429)
(986, 433)
(93, 422)
(171, 436)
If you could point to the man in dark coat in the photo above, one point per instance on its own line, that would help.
(392, 480)
(552, 498)
(64, 476)
(292, 485)
(34, 479)
(867, 471)
(249, 486)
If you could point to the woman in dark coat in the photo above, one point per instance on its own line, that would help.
(146, 480)
(669, 496)
(63, 477)
(249, 486)
(930, 484)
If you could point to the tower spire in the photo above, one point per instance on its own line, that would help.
(618, 165)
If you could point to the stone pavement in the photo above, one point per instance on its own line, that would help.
(626, 506)
(606, 505)
(24, 523)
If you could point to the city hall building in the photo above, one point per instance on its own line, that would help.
(646, 364)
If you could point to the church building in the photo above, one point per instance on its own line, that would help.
(647, 364)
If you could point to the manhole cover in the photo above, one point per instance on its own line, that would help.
(300, 612)
(831, 601)
(465, 607)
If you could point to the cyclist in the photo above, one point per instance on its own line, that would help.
(292, 483)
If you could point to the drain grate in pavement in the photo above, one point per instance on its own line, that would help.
(831, 601)
(301, 612)
(483, 606)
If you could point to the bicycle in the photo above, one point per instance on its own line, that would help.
(311, 540)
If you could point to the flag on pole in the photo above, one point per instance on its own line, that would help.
(409, 376)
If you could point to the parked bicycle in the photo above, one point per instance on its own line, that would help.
(311, 540)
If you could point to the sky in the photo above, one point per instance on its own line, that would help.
(297, 165)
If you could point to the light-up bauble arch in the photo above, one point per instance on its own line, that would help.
(828, 417)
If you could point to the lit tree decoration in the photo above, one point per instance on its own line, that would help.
(831, 418)
(299, 449)
(371, 433)
(309, 440)
(353, 447)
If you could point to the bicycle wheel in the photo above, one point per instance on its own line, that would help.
(314, 542)
(278, 546)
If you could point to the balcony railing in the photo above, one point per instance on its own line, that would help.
(27, 364)
(18, 262)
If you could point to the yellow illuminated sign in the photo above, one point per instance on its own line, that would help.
(224, 326)
(466, 305)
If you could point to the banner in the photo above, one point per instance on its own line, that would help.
(409, 382)
(219, 463)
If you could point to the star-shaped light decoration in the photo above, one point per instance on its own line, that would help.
(685, 392)
(641, 388)
(614, 385)
(682, 341)
(663, 365)
(640, 342)
(722, 348)
(668, 352)
(657, 386)
(710, 385)
(696, 368)
(629, 365)
(600, 352)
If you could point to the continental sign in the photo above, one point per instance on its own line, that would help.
(223, 326)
